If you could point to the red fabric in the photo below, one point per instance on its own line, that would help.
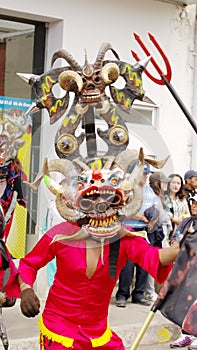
(82, 343)
(75, 303)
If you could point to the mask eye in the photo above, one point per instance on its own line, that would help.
(82, 178)
(114, 181)
(80, 182)
(80, 185)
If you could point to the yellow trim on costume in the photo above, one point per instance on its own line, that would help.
(65, 341)
(104, 339)
(68, 342)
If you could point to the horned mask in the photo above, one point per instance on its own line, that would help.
(96, 192)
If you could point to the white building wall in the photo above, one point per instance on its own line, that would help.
(76, 25)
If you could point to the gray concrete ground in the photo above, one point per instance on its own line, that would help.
(127, 322)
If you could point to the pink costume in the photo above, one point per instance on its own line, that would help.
(76, 309)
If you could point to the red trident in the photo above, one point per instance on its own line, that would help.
(165, 78)
(168, 74)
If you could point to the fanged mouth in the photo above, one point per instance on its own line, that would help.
(100, 206)
(99, 232)
(104, 225)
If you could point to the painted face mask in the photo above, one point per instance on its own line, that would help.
(96, 192)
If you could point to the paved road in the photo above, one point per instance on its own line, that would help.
(23, 332)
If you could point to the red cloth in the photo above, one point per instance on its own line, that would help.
(81, 343)
(76, 303)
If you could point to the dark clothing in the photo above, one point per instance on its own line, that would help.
(155, 236)
(190, 193)
(125, 279)
(184, 225)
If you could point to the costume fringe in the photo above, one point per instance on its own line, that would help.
(44, 332)
(104, 339)
(68, 342)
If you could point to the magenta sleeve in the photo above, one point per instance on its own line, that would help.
(142, 253)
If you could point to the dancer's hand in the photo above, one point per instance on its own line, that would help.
(30, 304)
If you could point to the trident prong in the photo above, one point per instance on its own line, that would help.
(165, 78)
(168, 75)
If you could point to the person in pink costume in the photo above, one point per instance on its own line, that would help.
(76, 311)
(94, 197)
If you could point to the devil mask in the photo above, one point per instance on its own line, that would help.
(95, 192)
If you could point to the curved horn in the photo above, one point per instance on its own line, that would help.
(110, 73)
(63, 166)
(101, 54)
(135, 202)
(136, 175)
(137, 172)
(80, 235)
(158, 164)
(66, 211)
(68, 57)
(69, 79)
(126, 158)
(52, 185)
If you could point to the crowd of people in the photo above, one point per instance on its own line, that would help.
(172, 201)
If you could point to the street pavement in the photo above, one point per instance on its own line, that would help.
(126, 322)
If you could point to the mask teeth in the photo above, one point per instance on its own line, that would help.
(103, 222)
(104, 230)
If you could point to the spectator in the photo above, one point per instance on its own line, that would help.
(158, 182)
(176, 202)
(155, 230)
(187, 226)
(190, 186)
(155, 237)
(138, 222)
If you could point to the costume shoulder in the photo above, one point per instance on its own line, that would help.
(64, 228)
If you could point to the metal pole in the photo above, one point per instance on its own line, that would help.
(180, 103)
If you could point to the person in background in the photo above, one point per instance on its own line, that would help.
(158, 182)
(190, 186)
(176, 202)
(11, 191)
(186, 226)
(138, 222)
